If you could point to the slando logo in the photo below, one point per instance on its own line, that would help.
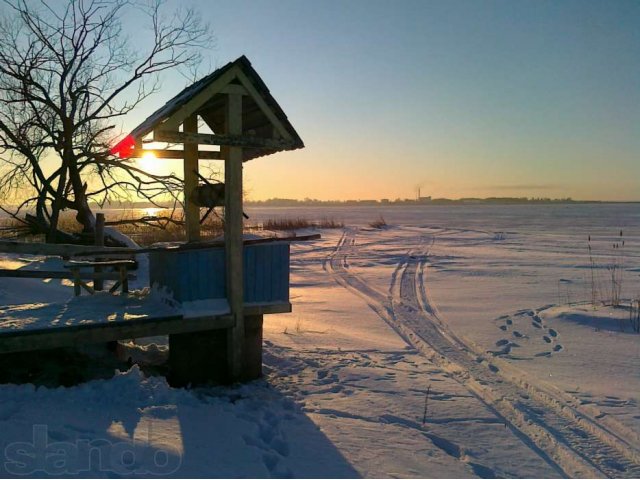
(125, 458)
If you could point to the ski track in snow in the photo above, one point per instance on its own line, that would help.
(577, 441)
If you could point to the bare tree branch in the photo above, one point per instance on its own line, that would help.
(67, 73)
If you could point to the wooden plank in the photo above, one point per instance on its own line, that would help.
(210, 244)
(191, 210)
(192, 106)
(194, 279)
(233, 229)
(266, 110)
(177, 154)
(230, 140)
(262, 271)
(218, 288)
(99, 263)
(87, 275)
(59, 249)
(266, 308)
(280, 274)
(234, 89)
(82, 284)
(98, 284)
(249, 274)
(24, 340)
(67, 336)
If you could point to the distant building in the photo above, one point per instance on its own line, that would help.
(424, 199)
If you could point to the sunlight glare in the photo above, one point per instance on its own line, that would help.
(148, 163)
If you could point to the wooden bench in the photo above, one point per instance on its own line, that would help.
(118, 273)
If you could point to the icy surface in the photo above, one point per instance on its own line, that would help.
(457, 342)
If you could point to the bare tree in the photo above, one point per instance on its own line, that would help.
(68, 73)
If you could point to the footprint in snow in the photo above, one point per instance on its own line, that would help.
(482, 471)
(537, 319)
(509, 321)
(543, 354)
(505, 350)
(502, 342)
(503, 328)
(558, 348)
(546, 339)
(553, 333)
(517, 334)
(535, 324)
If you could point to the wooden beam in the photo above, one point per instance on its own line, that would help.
(205, 244)
(270, 114)
(230, 140)
(99, 332)
(88, 275)
(192, 106)
(234, 89)
(252, 309)
(177, 154)
(56, 337)
(99, 242)
(59, 249)
(191, 210)
(233, 230)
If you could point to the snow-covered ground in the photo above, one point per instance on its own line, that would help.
(457, 342)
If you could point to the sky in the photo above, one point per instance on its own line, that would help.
(457, 98)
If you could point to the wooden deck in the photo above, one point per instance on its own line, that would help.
(103, 330)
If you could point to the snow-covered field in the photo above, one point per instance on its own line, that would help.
(458, 342)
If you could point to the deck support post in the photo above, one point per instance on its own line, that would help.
(191, 210)
(99, 242)
(198, 358)
(233, 226)
(201, 358)
(252, 367)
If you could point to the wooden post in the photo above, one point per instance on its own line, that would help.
(99, 242)
(191, 210)
(233, 236)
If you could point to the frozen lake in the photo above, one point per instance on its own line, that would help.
(582, 217)
(482, 313)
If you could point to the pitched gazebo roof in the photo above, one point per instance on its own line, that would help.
(263, 120)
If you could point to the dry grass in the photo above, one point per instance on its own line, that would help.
(607, 291)
(145, 233)
(154, 230)
(300, 223)
(10, 228)
(378, 223)
(150, 232)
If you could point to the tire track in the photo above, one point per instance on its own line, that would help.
(570, 440)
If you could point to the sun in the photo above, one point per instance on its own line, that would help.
(148, 162)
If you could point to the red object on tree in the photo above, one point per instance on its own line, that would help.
(124, 148)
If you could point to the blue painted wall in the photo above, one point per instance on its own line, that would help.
(200, 274)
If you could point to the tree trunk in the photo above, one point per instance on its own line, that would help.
(84, 215)
(57, 206)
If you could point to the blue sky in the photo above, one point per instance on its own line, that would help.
(464, 98)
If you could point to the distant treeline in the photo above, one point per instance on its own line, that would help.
(291, 202)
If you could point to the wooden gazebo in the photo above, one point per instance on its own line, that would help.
(247, 123)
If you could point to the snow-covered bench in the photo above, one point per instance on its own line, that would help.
(118, 273)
